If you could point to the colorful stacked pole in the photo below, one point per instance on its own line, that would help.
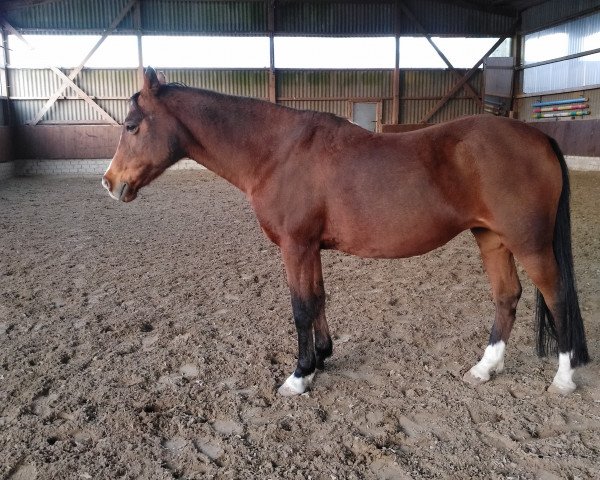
(575, 107)
(558, 108)
(577, 113)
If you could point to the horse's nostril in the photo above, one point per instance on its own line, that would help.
(105, 183)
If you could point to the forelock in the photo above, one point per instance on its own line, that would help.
(134, 102)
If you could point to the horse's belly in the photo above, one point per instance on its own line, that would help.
(393, 239)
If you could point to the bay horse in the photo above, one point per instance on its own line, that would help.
(316, 181)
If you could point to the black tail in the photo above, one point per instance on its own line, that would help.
(572, 327)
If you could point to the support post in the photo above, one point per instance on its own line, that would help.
(517, 53)
(396, 86)
(6, 58)
(272, 74)
(137, 24)
(396, 78)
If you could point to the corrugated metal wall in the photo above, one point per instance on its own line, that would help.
(331, 91)
(111, 89)
(68, 15)
(32, 83)
(321, 90)
(248, 83)
(573, 37)
(204, 17)
(334, 83)
(422, 89)
(554, 11)
(334, 90)
(329, 18)
(445, 18)
(440, 18)
(251, 17)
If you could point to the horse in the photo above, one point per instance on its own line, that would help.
(317, 181)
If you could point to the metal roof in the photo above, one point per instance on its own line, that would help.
(253, 17)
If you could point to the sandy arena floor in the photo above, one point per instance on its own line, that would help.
(146, 341)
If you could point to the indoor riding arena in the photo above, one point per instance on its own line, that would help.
(149, 339)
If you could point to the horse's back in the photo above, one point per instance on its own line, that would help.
(405, 194)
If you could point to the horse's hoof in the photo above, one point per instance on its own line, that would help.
(286, 391)
(566, 389)
(295, 385)
(473, 379)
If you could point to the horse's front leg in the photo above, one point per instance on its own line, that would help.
(305, 279)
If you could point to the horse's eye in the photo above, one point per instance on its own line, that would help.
(132, 127)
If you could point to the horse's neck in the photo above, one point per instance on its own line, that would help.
(233, 137)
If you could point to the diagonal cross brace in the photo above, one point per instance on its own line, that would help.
(453, 71)
(68, 81)
(457, 86)
(65, 79)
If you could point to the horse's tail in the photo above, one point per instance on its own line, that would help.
(572, 325)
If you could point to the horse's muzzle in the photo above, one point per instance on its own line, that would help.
(119, 192)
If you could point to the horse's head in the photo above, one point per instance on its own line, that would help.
(151, 141)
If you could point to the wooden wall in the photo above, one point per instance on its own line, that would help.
(6, 141)
(66, 141)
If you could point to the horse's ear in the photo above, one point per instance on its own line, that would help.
(162, 78)
(151, 81)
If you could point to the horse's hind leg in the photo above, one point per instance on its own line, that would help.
(542, 268)
(506, 291)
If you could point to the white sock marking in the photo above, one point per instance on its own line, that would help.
(295, 385)
(563, 380)
(492, 361)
